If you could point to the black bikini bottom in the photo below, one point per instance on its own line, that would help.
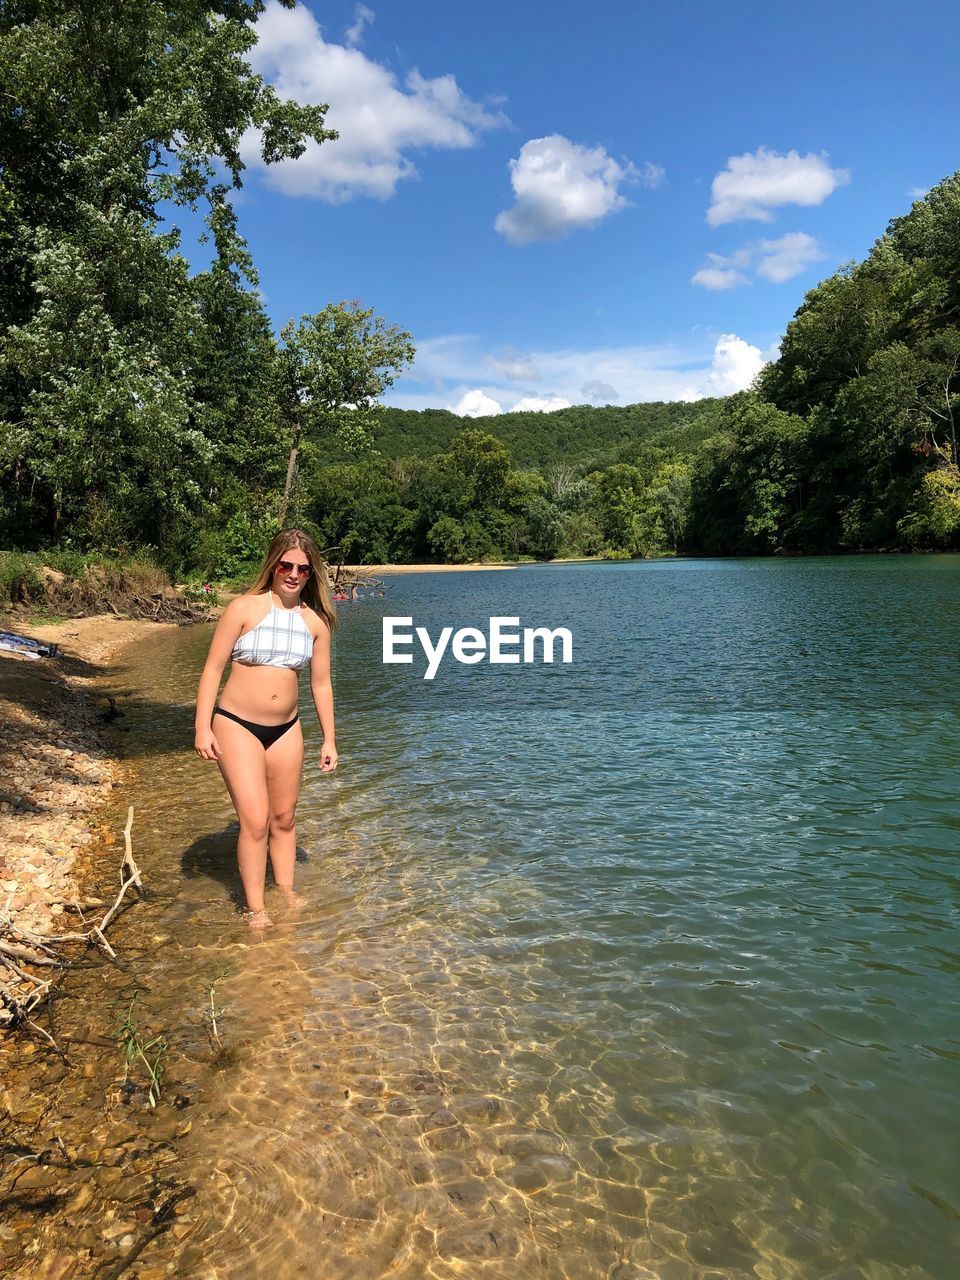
(266, 734)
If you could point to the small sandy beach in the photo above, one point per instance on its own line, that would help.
(54, 769)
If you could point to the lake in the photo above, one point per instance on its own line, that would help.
(641, 966)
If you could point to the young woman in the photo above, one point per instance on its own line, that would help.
(281, 625)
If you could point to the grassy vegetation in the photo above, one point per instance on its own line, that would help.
(135, 1049)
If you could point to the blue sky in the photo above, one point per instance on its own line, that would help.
(593, 202)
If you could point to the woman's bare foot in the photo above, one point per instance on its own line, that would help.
(290, 896)
(257, 919)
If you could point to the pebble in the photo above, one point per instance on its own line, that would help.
(117, 1230)
(56, 1266)
(106, 1178)
(122, 1132)
(129, 1188)
(36, 1178)
(81, 1199)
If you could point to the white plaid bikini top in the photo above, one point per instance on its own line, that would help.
(282, 639)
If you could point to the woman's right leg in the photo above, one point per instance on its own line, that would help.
(243, 763)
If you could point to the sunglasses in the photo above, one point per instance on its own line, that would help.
(287, 566)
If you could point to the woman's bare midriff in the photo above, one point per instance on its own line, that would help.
(264, 695)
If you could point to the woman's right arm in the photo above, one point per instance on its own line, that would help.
(221, 646)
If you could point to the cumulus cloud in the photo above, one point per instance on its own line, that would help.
(774, 260)
(734, 366)
(451, 368)
(561, 186)
(361, 17)
(378, 118)
(917, 193)
(599, 392)
(753, 184)
(540, 404)
(476, 404)
(780, 260)
(722, 273)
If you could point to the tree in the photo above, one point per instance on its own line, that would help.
(333, 367)
(933, 516)
(747, 487)
(620, 511)
(114, 116)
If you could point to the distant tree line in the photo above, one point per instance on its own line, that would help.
(146, 406)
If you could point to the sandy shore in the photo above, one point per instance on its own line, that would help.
(54, 769)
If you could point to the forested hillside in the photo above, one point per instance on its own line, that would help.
(584, 434)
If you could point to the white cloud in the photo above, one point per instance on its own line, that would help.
(451, 368)
(753, 184)
(377, 118)
(475, 404)
(735, 365)
(514, 365)
(561, 186)
(917, 193)
(540, 404)
(774, 260)
(780, 260)
(720, 274)
(361, 17)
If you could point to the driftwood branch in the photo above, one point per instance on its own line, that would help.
(21, 991)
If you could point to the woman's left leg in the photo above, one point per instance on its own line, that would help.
(284, 767)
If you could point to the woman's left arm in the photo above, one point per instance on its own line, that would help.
(322, 690)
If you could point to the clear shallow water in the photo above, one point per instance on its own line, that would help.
(645, 966)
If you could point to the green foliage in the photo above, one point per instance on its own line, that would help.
(584, 436)
(338, 363)
(137, 1052)
(332, 368)
(236, 549)
(933, 516)
(360, 508)
(20, 581)
(581, 536)
(203, 593)
(867, 392)
(114, 403)
(447, 540)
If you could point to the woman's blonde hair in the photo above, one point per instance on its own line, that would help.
(316, 589)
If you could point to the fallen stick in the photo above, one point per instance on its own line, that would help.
(24, 953)
(133, 878)
(128, 855)
(33, 948)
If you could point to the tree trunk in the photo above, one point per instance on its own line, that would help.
(291, 469)
(291, 472)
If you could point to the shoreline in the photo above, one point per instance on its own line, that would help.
(93, 1183)
(472, 566)
(56, 771)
